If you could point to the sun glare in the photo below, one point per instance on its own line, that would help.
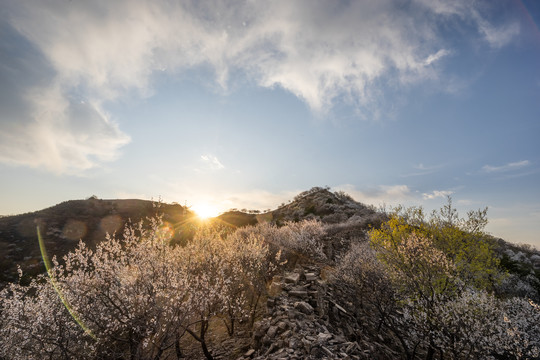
(205, 211)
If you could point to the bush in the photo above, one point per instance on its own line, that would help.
(430, 288)
(135, 296)
(294, 239)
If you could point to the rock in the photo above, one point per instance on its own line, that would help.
(292, 314)
(328, 352)
(304, 307)
(300, 271)
(266, 340)
(299, 293)
(259, 330)
(275, 288)
(272, 331)
(249, 353)
(307, 345)
(271, 349)
(323, 337)
(286, 334)
(311, 277)
(292, 278)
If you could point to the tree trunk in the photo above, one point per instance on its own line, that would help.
(254, 306)
(177, 347)
(204, 328)
(200, 338)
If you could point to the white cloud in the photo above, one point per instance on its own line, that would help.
(212, 161)
(427, 168)
(435, 57)
(497, 37)
(60, 135)
(436, 194)
(319, 51)
(507, 167)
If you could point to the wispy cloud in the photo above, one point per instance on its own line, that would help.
(96, 52)
(424, 167)
(61, 135)
(507, 167)
(421, 170)
(213, 162)
(435, 57)
(497, 37)
(436, 194)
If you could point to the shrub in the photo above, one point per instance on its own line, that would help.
(135, 296)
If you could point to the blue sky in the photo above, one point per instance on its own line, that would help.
(244, 104)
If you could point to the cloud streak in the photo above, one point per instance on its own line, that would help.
(422, 170)
(505, 168)
(322, 52)
(213, 162)
(436, 194)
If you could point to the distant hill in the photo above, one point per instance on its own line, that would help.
(317, 203)
(63, 225)
(322, 204)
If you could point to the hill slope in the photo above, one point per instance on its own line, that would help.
(63, 225)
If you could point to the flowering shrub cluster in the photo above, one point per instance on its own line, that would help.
(34, 324)
(295, 239)
(425, 287)
(134, 296)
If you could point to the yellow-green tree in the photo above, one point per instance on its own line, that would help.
(462, 241)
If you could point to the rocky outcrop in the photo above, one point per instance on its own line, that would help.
(304, 322)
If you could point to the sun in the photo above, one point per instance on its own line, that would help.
(205, 211)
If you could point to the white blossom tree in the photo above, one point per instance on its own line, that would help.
(34, 324)
(127, 298)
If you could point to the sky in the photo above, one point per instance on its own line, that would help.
(244, 104)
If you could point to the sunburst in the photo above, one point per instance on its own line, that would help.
(205, 211)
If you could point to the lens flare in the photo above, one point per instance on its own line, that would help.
(205, 211)
(48, 267)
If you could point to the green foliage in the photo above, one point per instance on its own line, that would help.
(461, 240)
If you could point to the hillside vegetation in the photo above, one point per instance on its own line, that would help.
(323, 277)
(63, 225)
